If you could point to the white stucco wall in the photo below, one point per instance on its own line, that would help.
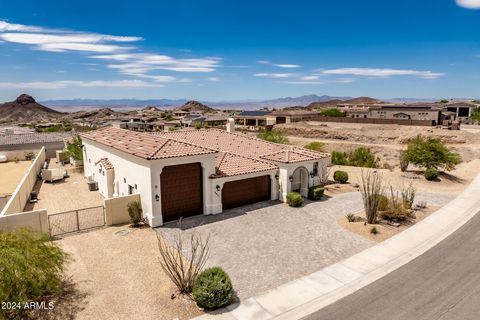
(129, 170)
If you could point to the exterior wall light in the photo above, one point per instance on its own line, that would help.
(290, 178)
(157, 197)
(218, 187)
(312, 174)
(277, 176)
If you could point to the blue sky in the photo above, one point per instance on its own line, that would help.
(236, 50)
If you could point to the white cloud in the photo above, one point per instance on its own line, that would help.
(263, 62)
(309, 78)
(274, 75)
(126, 59)
(83, 84)
(287, 65)
(469, 4)
(377, 72)
(213, 79)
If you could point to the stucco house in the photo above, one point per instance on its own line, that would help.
(191, 172)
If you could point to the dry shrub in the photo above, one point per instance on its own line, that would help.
(372, 190)
(184, 269)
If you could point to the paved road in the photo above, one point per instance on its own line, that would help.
(443, 284)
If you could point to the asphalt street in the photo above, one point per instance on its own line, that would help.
(442, 284)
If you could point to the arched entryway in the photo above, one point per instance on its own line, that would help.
(299, 181)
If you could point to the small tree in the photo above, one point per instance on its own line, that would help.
(339, 158)
(372, 190)
(184, 270)
(431, 153)
(213, 288)
(135, 212)
(332, 112)
(74, 148)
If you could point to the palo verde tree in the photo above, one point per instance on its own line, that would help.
(430, 153)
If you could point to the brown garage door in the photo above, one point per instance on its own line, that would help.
(246, 191)
(182, 192)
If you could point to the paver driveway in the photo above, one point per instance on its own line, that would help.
(267, 244)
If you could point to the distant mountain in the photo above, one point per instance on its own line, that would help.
(25, 108)
(362, 100)
(194, 106)
(305, 100)
(114, 103)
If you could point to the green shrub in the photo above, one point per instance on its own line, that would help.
(135, 212)
(74, 148)
(374, 231)
(431, 174)
(340, 176)
(395, 211)
(339, 158)
(273, 136)
(31, 268)
(430, 153)
(294, 199)
(315, 146)
(315, 193)
(332, 112)
(213, 288)
(362, 157)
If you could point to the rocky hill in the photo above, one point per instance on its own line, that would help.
(25, 109)
(194, 106)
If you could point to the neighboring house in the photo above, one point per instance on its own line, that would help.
(18, 146)
(462, 110)
(289, 116)
(190, 172)
(415, 112)
(251, 118)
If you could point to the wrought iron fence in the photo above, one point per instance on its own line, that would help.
(76, 220)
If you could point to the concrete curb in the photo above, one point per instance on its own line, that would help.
(303, 296)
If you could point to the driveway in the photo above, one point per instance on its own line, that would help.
(441, 284)
(269, 243)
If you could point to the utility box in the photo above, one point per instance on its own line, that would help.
(62, 156)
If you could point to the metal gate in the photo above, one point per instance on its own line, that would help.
(76, 220)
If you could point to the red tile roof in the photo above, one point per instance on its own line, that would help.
(144, 145)
(105, 163)
(235, 153)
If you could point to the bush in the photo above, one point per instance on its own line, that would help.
(403, 161)
(273, 136)
(213, 289)
(362, 157)
(31, 268)
(315, 146)
(294, 199)
(74, 148)
(374, 231)
(382, 202)
(395, 211)
(315, 193)
(339, 158)
(431, 174)
(332, 112)
(135, 212)
(340, 176)
(430, 153)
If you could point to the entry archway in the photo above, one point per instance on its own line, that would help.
(299, 181)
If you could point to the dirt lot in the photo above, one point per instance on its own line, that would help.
(119, 277)
(385, 141)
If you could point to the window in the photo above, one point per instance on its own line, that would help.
(124, 180)
(131, 190)
(99, 170)
(135, 186)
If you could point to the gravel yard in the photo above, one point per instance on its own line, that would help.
(119, 277)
